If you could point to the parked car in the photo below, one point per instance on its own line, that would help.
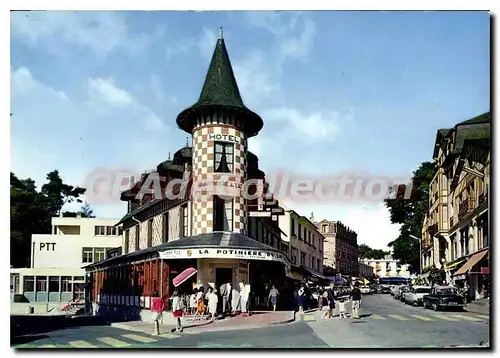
(403, 292)
(384, 289)
(365, 290)
(415, 295)
(443, 297)
(399, 292)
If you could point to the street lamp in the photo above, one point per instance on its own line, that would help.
(420, 252)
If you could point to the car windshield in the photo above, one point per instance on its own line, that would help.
(446, 290)
(422, 290)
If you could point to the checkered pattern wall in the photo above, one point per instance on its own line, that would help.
(204, 138)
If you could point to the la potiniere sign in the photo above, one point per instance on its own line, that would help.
(223, 254)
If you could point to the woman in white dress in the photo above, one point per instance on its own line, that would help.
(213, 299)
(235, 300)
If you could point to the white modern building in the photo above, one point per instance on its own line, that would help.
(306, 244)
(388, 267)
(56, 274)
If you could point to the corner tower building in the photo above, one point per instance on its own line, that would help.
(220, 125)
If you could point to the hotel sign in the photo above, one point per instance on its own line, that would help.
(212, 253)
(224, 138)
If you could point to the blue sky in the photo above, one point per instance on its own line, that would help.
(337, 91)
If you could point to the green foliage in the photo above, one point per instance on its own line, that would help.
(410, 214)
(366, 252)
(31, 211)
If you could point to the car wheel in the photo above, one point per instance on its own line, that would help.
(434, 307)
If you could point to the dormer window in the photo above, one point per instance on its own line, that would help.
(224, 157)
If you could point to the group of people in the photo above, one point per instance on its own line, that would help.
(200, 302)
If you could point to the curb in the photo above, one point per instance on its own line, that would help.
(193, 330)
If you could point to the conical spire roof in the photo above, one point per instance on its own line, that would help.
(220, 90)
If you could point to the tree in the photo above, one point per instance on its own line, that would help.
(366, 252)
(31, 211)
(410, 214)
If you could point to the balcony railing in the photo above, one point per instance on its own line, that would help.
(464, 209)
(433, 229)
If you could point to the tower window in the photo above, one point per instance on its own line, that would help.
(224, 157)
(223, 214)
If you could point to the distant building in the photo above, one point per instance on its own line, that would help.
(388, 267)
(56, 274)
(341, 247)
(366, 270)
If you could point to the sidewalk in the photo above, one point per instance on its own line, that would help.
(479, 306)
(256, 320)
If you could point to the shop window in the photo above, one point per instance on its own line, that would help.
(14, 283)
(99, 254)
(224, 157)
(87, 255)
(54, 284)
(150, 232)
(100, 230)
(29, 284)
(164, 237)
(41, 284)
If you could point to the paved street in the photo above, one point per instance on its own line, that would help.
(385, 323)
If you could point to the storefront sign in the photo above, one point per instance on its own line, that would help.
(485, 270)
(223, 138)
(47, 246)
(460, 277)
(223, 254)
(259, 214)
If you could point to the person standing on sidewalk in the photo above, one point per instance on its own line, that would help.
(331, 302)
(273, 296)
(355, 296)
(157, 308)
(177, 310)
(225, 292)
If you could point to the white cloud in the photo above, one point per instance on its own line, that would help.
(204, 43)
(101, 32)
(299, 46)
(310, 126)
(105, 90)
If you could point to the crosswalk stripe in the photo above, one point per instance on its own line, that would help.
(468, 318)
(138, 338)
(169, 335)
(376, 316)
(113, 342)
(48, 346)
(401, 318)
(446, 318)
(309, 317)
(81, 344)
(423, 318)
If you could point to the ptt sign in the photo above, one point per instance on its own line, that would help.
(47, 246)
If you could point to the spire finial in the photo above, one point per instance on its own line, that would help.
(168, 155)
(220, 33)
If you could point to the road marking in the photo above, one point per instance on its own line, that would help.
(376, 316)
(446, 318)
(309, 317)
(423, 318)
(401, 318)
(81, 344)
(480, 316)
(113, 342)
(169, 335)
(136, 337)
(48, 346)
(468, 318)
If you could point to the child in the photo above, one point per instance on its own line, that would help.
(193, 303)
(342, 310)
(177, 309)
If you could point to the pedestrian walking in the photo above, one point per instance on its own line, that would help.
(157, 308)
(225, 292)
(235, 300)
(342, 308)
(273, 296)
(193, 303)
(213, 299)
(177, 310)
(244, 295)
(331, 301)
(300, 298)
(355, 296)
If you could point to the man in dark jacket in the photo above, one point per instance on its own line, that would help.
(355, 297)
(331, 300)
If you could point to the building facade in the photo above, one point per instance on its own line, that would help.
(56, 273)
(387, 267)
(455, 233)
(202, 218)
(341, 247)
(306, 244)
(365, 270)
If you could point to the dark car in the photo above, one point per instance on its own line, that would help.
(384, 289)
(444, 297)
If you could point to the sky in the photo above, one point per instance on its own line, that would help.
(337, 91)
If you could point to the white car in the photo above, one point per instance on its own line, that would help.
(365, 290)
(416, 295)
